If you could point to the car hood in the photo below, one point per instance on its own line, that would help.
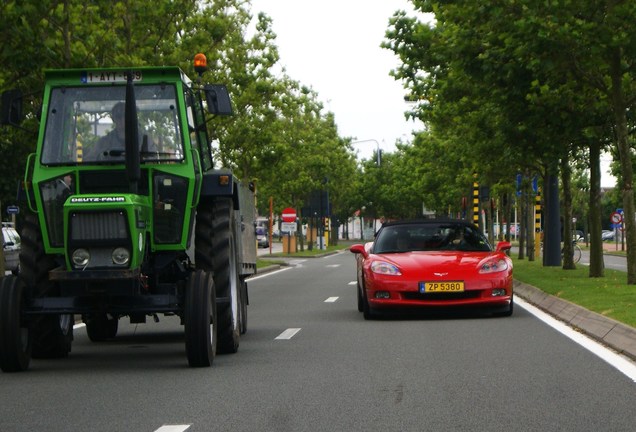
(432, 263)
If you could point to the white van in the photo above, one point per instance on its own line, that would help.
(11, 247)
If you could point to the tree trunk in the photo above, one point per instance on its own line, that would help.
(529, 204)
(507, 209)
(521, 204)
(566, 181)
(619, 107)
(597, 265)
(552, 232)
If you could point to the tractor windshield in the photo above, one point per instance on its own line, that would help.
(86, 125)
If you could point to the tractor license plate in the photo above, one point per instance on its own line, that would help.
(447, 286)
(108, 76)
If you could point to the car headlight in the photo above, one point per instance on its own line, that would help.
(383, 267)
(121, 256)
(494, 266)
(81, 257)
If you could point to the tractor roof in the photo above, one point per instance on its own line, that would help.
(110, 76)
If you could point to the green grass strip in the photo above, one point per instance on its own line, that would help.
(609, 296)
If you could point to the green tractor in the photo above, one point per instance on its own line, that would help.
(127, 217)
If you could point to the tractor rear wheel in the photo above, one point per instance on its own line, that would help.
(215, 251)
(15, 335)
(52, 334)
(200, 319)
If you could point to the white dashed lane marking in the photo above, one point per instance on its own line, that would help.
(173, 428)
(332, 300)
(287, 334)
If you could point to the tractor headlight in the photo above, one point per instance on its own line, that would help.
(81, 257)
(121, 256)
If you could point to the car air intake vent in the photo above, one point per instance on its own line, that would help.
(442, 296)
(98, 226)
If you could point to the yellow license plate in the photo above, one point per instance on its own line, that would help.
(451, 286)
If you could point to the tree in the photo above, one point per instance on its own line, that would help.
(529, 78)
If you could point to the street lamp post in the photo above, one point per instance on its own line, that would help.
(377, 147)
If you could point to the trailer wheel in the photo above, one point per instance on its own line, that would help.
(215, 250)
(99, 327)
(15, 335)
(244, 301)
(52, 334)
(200, 319)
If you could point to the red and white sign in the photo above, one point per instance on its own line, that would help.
(289, 215)
(616, 218)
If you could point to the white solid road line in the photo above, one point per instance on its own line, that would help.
(253, 278)
(287, 334)
(621, 363)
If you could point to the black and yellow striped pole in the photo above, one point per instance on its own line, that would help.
(79, 151)
(476, 202)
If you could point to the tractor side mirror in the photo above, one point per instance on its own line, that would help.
(11, 107)
(218, 99)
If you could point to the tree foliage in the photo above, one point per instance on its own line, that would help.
(279, 125)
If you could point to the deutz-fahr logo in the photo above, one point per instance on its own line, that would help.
(98, 199)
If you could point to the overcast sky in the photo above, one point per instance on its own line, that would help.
(333, 46)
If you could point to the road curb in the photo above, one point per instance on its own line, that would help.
(616, 335)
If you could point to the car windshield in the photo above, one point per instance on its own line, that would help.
(86, 125)
(429, 237)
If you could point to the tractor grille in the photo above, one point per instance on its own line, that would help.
(98, 226)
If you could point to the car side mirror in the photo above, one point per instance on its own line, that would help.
(218, 99)
(503, 246)
(359, 249)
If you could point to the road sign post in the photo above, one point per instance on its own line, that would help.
(289, 225)
(616, 218)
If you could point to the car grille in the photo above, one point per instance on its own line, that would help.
(441, 296)
(98, 226)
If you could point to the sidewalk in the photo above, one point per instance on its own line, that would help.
(612, 247)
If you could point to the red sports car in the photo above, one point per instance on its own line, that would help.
(433, 263)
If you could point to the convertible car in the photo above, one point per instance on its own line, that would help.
(435, 264)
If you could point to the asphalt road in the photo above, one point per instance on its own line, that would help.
(309, 362)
